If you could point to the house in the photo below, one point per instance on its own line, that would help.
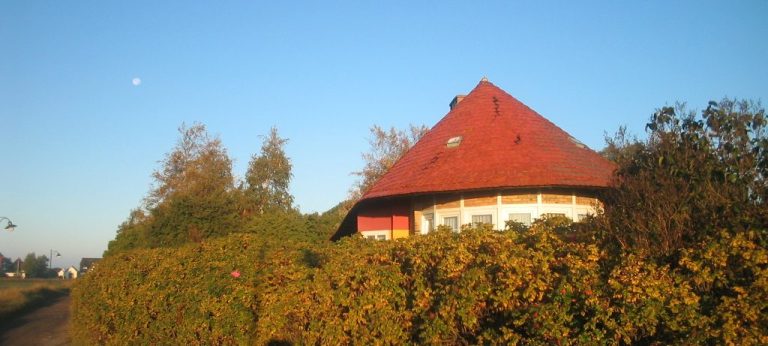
(491, 159)
(69, 273)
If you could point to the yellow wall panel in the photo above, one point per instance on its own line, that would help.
(445, 202)
(528, 198)
(400, 233)
(479, 201)
(586, 200)
(547, 198)
(417, 215)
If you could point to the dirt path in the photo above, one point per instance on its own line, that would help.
(48, 325)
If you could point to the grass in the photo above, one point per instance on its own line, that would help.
(20, 295)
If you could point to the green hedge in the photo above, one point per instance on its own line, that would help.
(477, 286)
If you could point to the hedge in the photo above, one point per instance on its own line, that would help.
(542, 285)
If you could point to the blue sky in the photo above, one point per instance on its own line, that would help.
(79, 140)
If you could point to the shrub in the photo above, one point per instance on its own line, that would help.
(692, 177)
(538, 286)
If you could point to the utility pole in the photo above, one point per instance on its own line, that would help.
(50, 260)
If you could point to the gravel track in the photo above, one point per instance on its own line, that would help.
(47, 325)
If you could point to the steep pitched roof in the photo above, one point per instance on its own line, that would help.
(502, 144)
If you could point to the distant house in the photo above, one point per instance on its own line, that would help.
(490, 160)
(87, 264)
(68, 273)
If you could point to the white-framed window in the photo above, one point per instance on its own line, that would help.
(524, 218)
(427, 223)
(482, 218)
(581, 214)
(452, 222)
(376, 235)
(480, 215)
(524, 214)
(550, 211)
(450, 219)
(552, 214)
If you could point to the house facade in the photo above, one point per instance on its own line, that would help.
(490, 160)
(71, 273)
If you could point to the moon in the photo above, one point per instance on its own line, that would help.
(136, 81)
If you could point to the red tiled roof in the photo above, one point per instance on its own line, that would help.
(504, 144)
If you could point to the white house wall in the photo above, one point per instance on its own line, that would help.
(500, 211)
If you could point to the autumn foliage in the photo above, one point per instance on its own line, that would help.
(693, 176)
(541, 285)
(680, 256)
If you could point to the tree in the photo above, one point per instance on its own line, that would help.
(198, 164)
(5, 264)
(35, 266)
(131, 234)
(325, 224)
(621, 146)
(193, 196)
(269, 176)
(691, 178)
(386, 148)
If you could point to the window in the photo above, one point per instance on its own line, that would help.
(485, 218)
(377, 235)
(452, 222)
(453, 142)
(581, 217)
(576, 141)
(429, 223)
(553, 214)
(524, 218)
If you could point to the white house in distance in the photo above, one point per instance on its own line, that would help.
(68, 273)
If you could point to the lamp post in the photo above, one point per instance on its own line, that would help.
(50, 261)
(10, 227)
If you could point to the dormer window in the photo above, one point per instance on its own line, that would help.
(576, 141)
(453, 142)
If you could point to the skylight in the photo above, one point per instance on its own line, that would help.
(453, 142)
(578, 144)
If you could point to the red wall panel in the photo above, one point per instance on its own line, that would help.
(374, 218)
(383, 217)
(373, 223)
(400, 218)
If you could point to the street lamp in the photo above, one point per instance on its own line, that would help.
(10, 227)
(50, 262)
